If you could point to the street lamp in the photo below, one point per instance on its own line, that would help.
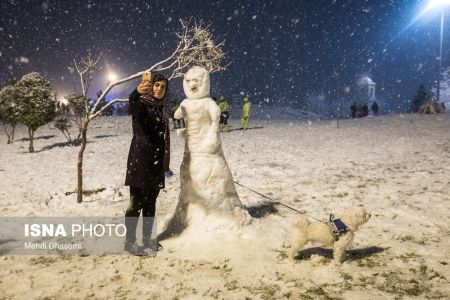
(111, 77)
(438, 4)
(440, 57)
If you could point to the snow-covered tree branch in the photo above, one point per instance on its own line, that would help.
(196, 47)
(104, 108)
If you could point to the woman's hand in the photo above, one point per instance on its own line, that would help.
(145, 87)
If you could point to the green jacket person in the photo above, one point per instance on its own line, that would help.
(246, 112)
(224, 108)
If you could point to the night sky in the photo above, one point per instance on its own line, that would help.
(280, 51)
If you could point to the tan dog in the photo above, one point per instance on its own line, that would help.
(305, 231)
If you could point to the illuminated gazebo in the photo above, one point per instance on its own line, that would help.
(367, 87)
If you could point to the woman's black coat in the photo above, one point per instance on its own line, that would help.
(145, 159)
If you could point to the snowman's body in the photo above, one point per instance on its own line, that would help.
(205, 178)
(204, 175)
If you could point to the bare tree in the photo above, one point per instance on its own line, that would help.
(195, 47)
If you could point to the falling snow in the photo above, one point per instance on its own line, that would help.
(305, 43)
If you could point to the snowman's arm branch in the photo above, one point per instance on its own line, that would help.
(178, 113)
(214, 112)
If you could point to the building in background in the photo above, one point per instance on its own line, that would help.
(366, 91)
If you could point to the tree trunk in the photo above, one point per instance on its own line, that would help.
(79, 133)
(31, 134)
(80, 162)
(12, 132)
(5, 126)
(70, 139)
(9, 137)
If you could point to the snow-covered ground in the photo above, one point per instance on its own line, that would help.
(397, 167)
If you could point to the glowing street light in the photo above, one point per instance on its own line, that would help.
(432, 5)
(111, 77)
(436, 4)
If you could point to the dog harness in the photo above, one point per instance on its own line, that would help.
(337, 227)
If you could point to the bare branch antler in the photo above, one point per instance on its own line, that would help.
(197, 48)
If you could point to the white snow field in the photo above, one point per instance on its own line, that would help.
(397, 167)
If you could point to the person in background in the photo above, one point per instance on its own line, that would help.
(375, 108)
(148, 159)
(224, 112)
(246, 112)
(353, 109)
(365, 110)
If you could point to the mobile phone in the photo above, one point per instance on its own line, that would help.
(147, 76)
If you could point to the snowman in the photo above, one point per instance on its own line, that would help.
(205, 178)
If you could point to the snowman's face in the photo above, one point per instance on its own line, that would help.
(196, 83)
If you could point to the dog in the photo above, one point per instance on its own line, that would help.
(305, 231)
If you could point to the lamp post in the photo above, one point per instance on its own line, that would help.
(440, 57)
(438, 4)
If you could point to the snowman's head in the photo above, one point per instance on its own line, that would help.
(196, 83)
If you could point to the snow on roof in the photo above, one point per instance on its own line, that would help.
(367, 80)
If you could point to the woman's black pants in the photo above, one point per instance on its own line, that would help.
(140, 200)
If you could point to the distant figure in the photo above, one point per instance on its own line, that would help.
(353, 109)
(365, 110)
(358, 112)
(224, 114)
(375, 108)
(246, 112)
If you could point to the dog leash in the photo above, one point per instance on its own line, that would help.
(276, 202)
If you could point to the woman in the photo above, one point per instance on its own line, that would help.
(148, 158)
